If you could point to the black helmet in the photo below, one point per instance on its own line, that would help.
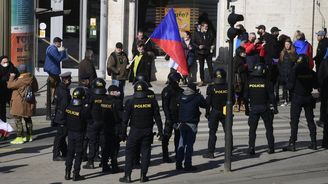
(259, 70)
(220, 76)
(78, 96)
(140, 86)
(142, 77)
(302, 58)
(98, 86)
(174, 77)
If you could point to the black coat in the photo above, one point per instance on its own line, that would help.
(5, 93)
(206, 39)
(62, 99)
(321, 51)
(144, 68)
(285, 66)
(271, 47)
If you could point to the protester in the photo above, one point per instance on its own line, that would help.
(189, 50)
(240, 78)
(242, 37)
(321, 49)
(254, 51)
(87, 69)
(21, 108)
(6, 67)
(303, 47)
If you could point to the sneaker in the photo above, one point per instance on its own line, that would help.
(18, 140)
(28, 138)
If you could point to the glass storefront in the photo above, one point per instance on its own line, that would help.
(93, 29)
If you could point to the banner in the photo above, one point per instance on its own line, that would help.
(22, 32)
(183, 17)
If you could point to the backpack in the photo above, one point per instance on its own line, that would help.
(29, 96)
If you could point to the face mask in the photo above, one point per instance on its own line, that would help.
(243, 54)
(5, 65)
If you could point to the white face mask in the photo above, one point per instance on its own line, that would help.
(243, 54)
(5, 65)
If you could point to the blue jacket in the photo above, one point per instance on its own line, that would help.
(53, 59)
(189, 108)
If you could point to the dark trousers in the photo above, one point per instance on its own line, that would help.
(213, 124)
(60, 145)
(286, 95)
(111, 149)
(75, 144)
(323, 105)
(325, 134)
(186, 145)
(3, 110)
(95, 135)
(143, 139)
(168, 128)
(299, 102)
(257, 112)
(201, 59)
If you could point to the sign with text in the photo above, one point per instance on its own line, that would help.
(183, 17)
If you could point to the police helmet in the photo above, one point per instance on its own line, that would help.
(78, 96)
(174, 77)
(220, 76)
(302, 58)
(98, 86)
(140, 86)
(259, 70)
(142, 77)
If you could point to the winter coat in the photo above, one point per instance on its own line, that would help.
(5, 93)
(190, 54)
(285, 66)
(18, 106)
(304, 47)
(117, 66)
(87, 70)
(144, 68)
(53, 59)
(206, 39)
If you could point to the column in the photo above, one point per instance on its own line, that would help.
(103, 38)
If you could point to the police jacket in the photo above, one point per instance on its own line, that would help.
(77, 117)
(321, 51)
(217, 95)
(96, 110)
(302, 80)
(189, 104)
(112, 109)
(140, 112)
(62, 99)
(170, 97)
(259, 91)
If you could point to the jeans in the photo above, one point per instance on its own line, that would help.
(186, 145)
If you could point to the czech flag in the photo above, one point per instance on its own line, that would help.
(167, 36)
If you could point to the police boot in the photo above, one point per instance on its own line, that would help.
(77, 177)
(271, 150)
(143, 178)
(313, 144)
(126, 178)
(89, 165)
(67, 173)
(289, 147)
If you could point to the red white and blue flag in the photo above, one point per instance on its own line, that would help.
(167, 36)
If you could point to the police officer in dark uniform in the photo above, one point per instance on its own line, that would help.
(112, 112)
(78, 115)
(95, 129)
(170, 96)
(301, 83)
(62, 98)
(259, 93)
(140, 112)
(215, 112)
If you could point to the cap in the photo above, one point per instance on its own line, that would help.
(65, 75)
(119, 45)
(260, 27)
(57, 39)
(274, 29)
(321, 33)
(113, 88)
(22, 68)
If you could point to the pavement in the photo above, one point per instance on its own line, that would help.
(32, 162)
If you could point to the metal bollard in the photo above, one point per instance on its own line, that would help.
(48, 114)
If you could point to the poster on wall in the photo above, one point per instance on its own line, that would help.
(183, 17)
(22, 33)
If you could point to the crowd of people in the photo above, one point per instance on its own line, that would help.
(95, 119)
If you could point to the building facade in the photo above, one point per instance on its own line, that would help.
(99, 24)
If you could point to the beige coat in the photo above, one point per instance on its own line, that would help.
(19, 107)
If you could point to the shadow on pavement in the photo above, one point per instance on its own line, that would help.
(9, 169)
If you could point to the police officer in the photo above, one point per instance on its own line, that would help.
(112, 112)
(140, 113)
(62, 98)
(259, 93)
(170, 96)
(95, 129)
(215, 111)
(301, 83)
(78, 115)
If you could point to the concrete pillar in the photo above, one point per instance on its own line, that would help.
(222, 27)
(132, 25)
(103, 38)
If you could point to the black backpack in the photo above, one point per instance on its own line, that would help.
(29, 96)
